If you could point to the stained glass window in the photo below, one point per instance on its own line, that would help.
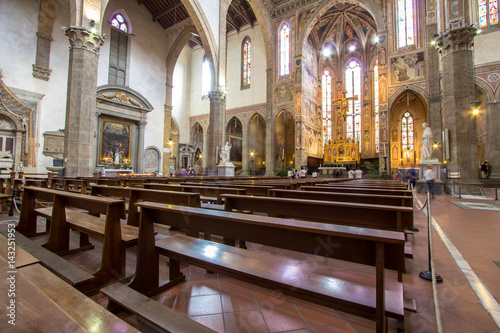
(406, 34)
(247, 62)
(375, 107)
(407, 131)
(284, 50)
(118, 22)
(118, 48)
(326, 85)
(353, 88)
(488, 12)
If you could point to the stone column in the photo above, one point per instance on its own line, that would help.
(245, 152)
(205, 150)
(215, 127)
(140, 147)
(434, 115)
(493, 138)
(79, 142)
(269, 123)
(458, 94)
(167, 133)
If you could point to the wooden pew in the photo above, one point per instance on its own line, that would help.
(76, 185)
(334, 188)
(379, 248)
(29, 252)
(168, 320)
(376, 199)
(136, 195)
(109, 181)
(354, 214)
(251, 189)
(45, 303)
(207, 193)
(116, 237)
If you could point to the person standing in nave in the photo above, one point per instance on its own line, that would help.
(429, 178)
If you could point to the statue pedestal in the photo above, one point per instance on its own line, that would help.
(226, 169)
(437, 168)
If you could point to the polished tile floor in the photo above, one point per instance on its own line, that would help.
(228, 305)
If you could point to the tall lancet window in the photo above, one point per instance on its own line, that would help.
(406, 33)
(488, 12)
(326, 86)
(284, 47)
(407, 131)
(376, 108)
(117, 71)
(247, 63)
(353, 88)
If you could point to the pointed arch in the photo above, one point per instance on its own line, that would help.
(421, 93)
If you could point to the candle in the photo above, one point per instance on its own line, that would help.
(385, 154)
(283, 154)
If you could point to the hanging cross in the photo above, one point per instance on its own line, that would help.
(343, 102)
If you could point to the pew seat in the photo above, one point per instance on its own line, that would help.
(166, 319)
(92, 225)
(64, 269)
(340, 289)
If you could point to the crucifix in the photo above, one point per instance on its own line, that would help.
(342, 103)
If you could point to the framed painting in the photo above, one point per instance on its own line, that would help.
(114, 142)
(407, 68)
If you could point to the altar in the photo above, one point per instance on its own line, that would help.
(341, 152)
(115, 172)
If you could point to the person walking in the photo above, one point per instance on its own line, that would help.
(412, 176)
(429, 177)
(484, 170)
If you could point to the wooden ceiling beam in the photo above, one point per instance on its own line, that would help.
(166, 10)
(229, 20)
(244, 15)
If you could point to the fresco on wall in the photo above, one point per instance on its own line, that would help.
(407, 68)
(313, 141)
(310, 57)
(303, 19)
(283, 93)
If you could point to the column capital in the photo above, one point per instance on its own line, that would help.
(216, 95)
(81, 38)
(457, 39)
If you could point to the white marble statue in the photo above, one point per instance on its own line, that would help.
(224, 154)
(117, 157)
(426, 142)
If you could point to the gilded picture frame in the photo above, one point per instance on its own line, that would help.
(115, 142)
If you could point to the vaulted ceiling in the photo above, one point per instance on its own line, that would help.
(344, 21)
(170, 12)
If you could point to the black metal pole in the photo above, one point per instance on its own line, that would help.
(496, 193)
(11, 210)
(427, 275)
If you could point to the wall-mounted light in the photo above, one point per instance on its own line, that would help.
(170, 141)
(252, 154)
(435, 145)
(475, 107)
(201, 156)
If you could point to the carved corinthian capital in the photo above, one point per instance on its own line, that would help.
(84, 39)
(458, 39)
(216, 95)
